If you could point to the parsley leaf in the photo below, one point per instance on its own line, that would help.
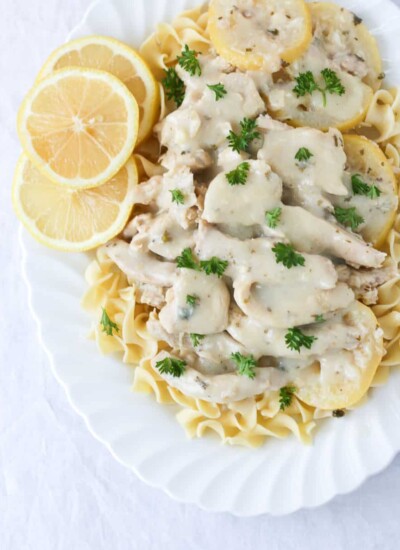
(107, 325)
(188, 61)
(219, 90)
(187, 261)
(174, 86)
(359, 187)
(332, 82)
(272, 217)
(286, 396)
(239, 175)
(348, 217)
(248, 133)
(319, 318)
(192, 300)
(196, 338)
(295, 339)
(177, 196)
(374, 192)
(245, 364)
(306, 84)
(214, 266)
(285, 254)
(172, 366)
(303, 154)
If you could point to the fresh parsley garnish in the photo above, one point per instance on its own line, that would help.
(177, 196)
(286, 396)
(306, 84)
(239, 175)
(248, 132)
(214, 266)
(196, 338)
(303, 154)
(174, 86)
(107, 325)
(192, 300)
(319, 318)
(245, 364)
(286, 254)
(296, 339)
(359, 187)
(188, 61)
(272, 217)
(348, 217)
(172, 366)
(187, 261)
(219, 90)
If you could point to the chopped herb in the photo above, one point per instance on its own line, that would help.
(319, 319)
(174, 86)
(171, 366)
(286, 396)
(338, 413)
(219, 90)
(357, 20)
(306, 84)
(359, 187)
(245, 364)
(239, 175)
(274, 32)
(248, 133)
(192, 300)
(374, 192)
(381, 76)
(296, 339)
(214, 266)
(332, 83)
(177, 196)
(285, 254)
(107, 325)
(303, 154)
(272, 217)
(188, 61)
(196, 338)
(187, 261)
(348, 217)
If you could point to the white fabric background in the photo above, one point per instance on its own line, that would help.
(59, 488)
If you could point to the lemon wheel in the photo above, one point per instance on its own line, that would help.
(107, 54)
(79, 126)
(68, 219)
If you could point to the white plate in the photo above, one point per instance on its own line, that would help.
(281, 477)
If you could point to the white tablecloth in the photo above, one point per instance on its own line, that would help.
(59, 488)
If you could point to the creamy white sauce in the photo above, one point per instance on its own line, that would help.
(265, 29)
(256, 300)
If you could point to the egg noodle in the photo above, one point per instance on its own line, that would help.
(250, 421)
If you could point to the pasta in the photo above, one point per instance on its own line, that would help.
(251, 421)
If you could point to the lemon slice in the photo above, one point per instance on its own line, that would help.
(255, 35)
(366, 160)
(68, 219)
(344, 379)
(79, 126)
(108, 54)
